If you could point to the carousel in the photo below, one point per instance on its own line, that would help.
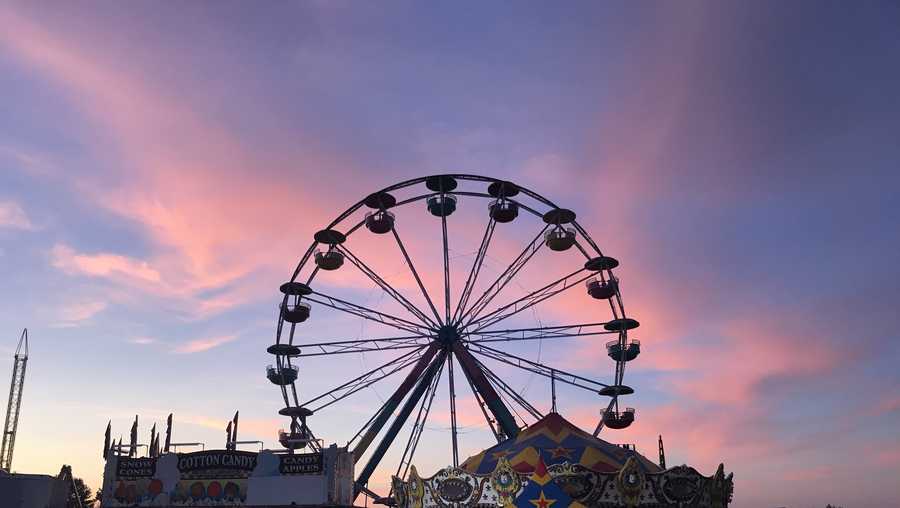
(554, 463)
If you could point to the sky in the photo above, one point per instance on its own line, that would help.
(164, 166)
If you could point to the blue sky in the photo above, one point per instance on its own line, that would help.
(162, 168)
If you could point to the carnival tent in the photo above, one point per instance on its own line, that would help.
(555, 440)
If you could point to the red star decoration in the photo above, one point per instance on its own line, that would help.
(542, 501)
(559, 451)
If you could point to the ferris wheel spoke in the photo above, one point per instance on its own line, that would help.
(538, 333)
(586, 237)
(537, 368)
(402, 416)
(503, 279)
(312, 275)
(366, 313)
(355, 227)
(450, 382)
(581, 249)
(386, 407)
(476, 376)
(364, 380)
(390, 405)
(530, 300)
(418, 427)
(363, 345)
(476, 269)
(510, 392)
(380, 282)
(484, 410)
(294, 394)
(446, 269)
(415, 274)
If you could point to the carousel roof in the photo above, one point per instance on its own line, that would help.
(555, 440)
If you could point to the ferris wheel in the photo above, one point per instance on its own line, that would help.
(457, 328)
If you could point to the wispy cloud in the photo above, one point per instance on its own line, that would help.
(200, 345)
(27, 162)
(107, 265)
(76, 313)
(205, 233)
(142, 341)
(14, 217)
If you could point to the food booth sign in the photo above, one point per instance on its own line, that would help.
(135, 468)
(303, 463)
(216, 460)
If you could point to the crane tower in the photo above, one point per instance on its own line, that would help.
(15, 402)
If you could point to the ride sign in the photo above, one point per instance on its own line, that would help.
(303, 463)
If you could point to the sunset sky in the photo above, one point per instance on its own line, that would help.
(163, 167)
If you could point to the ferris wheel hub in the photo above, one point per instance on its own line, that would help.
(448, 334)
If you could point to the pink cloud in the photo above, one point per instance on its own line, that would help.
(749, 354)
(889, 404)
(194, 189)
(205, 344)
(132, 276)
(76, 313)
(107, 265)
(14, 217)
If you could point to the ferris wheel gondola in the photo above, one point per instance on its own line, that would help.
(433, 338)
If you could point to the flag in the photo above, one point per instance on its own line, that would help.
(168, 433)
(134, 428)
(106, 440)
(228, 436)
(152, 440)
(234, 431)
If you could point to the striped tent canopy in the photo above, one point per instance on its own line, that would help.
(555, 440)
